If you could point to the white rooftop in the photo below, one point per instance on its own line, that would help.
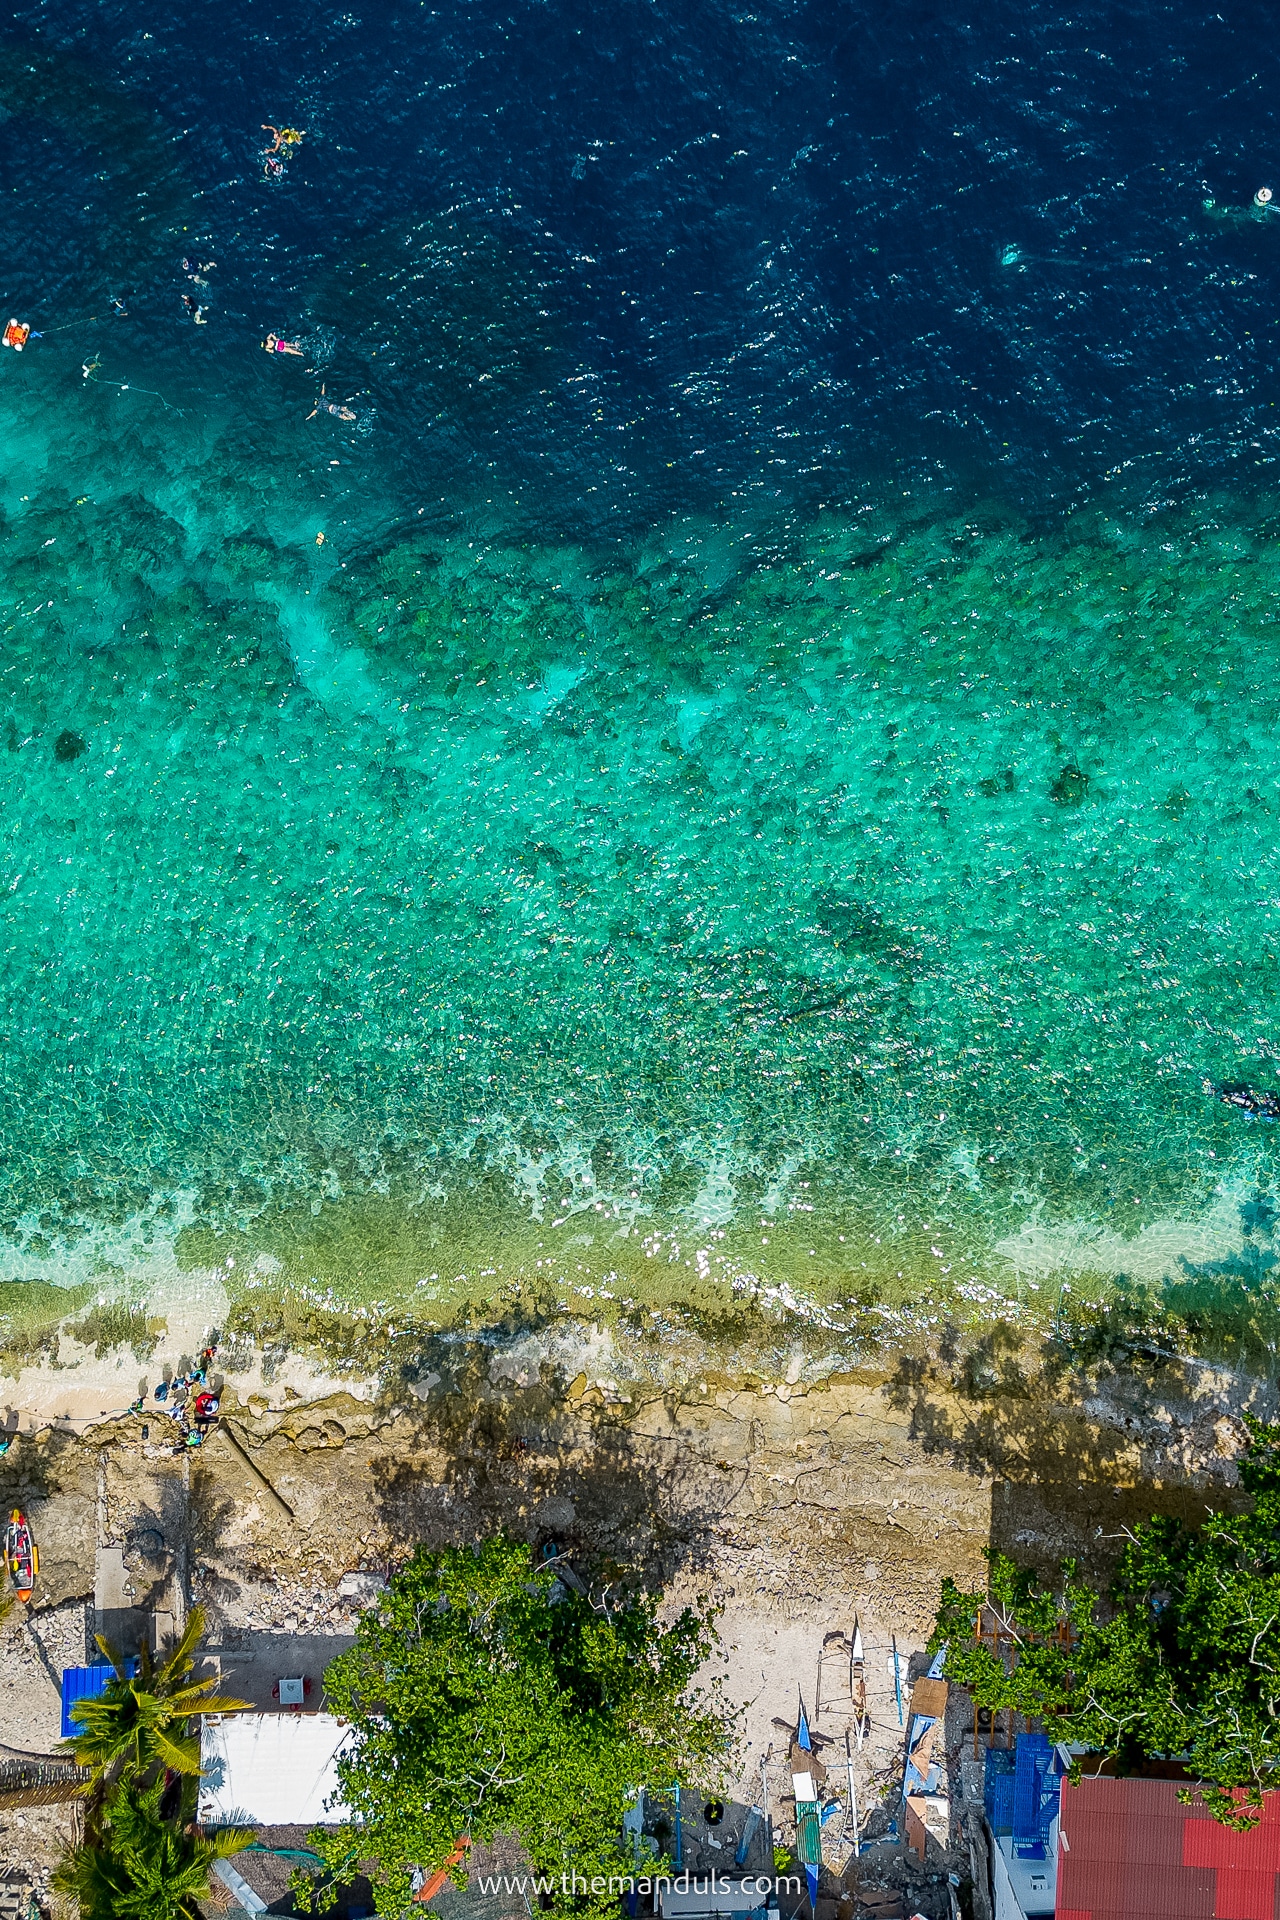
(1025, 1889)
(710, 1897)
(272, 1769)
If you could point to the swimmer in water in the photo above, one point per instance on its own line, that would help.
(274, 344)
(284, 139)
(196, 313)
(119, 308)
(340, 411)
(1261, 207)
(1260, 1102)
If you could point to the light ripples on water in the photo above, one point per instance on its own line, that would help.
(768, 775)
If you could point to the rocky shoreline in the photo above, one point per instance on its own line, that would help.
(794, 1504)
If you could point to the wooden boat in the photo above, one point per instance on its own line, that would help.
(842, 1682)
(21, 1556)
(858, 1684)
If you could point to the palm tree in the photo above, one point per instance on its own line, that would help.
(143, 1867)
(139, 1722)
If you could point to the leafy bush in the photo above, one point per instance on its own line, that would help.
(1181, 1662)
(488, 1697)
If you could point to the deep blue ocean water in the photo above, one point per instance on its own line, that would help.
(744, 747)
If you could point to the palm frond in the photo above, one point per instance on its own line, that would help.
(182, 1755)
(179, 1663)
(194, 1699)
(108, 1652)
(224, 1841)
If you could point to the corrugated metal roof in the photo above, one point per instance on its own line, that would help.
(1130, 1851)
(83, 1683)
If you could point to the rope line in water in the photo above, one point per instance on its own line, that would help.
(89, 371)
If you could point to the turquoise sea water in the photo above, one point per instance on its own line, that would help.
(827, 903)
(650, 795)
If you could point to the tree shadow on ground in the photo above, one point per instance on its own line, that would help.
(1098, 1428)
(630, 1509)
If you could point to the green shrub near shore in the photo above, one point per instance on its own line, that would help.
(1179, 1661)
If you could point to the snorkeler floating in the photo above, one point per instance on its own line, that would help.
(196, 272)
(1262, 1105)
(339, 409)
(283, 142)
(284, 139)
(275, 344)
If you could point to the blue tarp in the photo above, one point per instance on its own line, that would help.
(83, 1683)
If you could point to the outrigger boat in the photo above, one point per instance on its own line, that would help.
(21, 1557)
(842, 1682)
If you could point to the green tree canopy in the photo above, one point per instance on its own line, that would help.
(486, 1697)
(141, 1866)
(1181, 1663)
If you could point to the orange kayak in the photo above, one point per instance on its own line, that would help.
(21, 1558)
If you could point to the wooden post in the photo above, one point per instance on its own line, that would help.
(977, 1634)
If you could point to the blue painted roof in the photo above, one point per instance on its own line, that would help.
(83, 1683)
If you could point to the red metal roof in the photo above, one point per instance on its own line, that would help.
(1129, 1851)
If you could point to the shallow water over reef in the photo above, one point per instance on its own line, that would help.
(713, 727)
(855, 908)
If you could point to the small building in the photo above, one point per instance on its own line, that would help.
(272, 1769)
(86, 1683)
(1021, 1790)
(1130, 1850)
(714, 1896)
